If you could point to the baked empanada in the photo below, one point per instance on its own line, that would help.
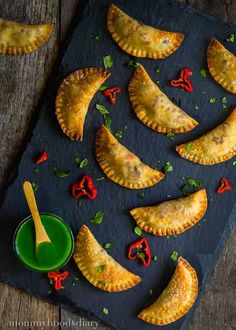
(173, 216)
(18, 39)
(99, 267)
(218, 145)
(141, 40)
(74, 96)
(154, 108)
(121, 165)
(222, 65)
(177, 298)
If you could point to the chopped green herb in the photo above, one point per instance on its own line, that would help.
(168, 196)
(100, 268)
(158, 69)
(83, 163)
(105, 310)
(103, 283)
(184, 187)
(194, 183)
(73, 283)
(36, 170)
(35, 186)
(61, 173)
(103, 110)
(174, 256)
(98, 218)
(150, 292)
(224, 99)
(77, 159)
(96, 37)
(224, 106)
(188, 147)
(197, 107)
(118, 134)
(234, 162)
(141, 255)
(133, 64)
(182, 90)
(102, 88)
(168, 236)
(138, 231)
(158, 81)
(107, 245)
(80, 201)
(76, 278)
(155, 258)
(108, 61)
(168, 167)
(170, 136)
(230, 38)
(141, 195)
(158, 161)
(212, 100)
(101, 178)
(107, 121)
(203, 73)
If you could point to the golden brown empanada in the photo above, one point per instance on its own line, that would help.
(218, 145)
(173, 216)
(121, 165)
(99, 267)
(141, 40)
(73, 99)
(154, 108)
(222, 65)
(18, 39)
(177, 298)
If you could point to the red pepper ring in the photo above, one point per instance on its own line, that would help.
(224, 185)
(142, 246)
(58, 278)
(42, 158)
(85, 187)
(111, 93)
(183, 81)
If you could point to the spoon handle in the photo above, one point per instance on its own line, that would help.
(40, 233)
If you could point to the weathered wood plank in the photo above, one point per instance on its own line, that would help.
(22, 83)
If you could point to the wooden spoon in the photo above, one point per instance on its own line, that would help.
(45, 250)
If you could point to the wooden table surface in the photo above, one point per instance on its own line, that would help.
(22, 82)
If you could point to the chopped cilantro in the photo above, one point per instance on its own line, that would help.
(61, 173)
(103, 110)
(103, 283)
(194, 183)
(98, 218)
(168, 167)
(107, 245)
(212, 100)
(170, 136)
(188, 147)
(155, 258)
(36, 170)
(174, 256)
(158, 69)
(96, 37)
(77, 159)
(197, 107)
(83, 163)
(138, 231)
(158, 81)
(101, 178)
(35, 186)
(102, 88)
(100, 268)
(203, 73)
(234, 162)
(141, 195)
(141, 255)
(133, 64)
(150, 292)
(105, 310)
(184, 187)
(108, 61)
(224, 99)
(231, 38)
(224, 106)
(119, 134)
(107, 121)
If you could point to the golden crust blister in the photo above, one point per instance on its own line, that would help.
(171, 217)
(18, 39)
(222, 65)
(177, 298)
(154, 108)
(121, 165)
(216, 146)
(74, 96)
(141, 40)
(99, 267)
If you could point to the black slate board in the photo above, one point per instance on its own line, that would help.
(201, 244)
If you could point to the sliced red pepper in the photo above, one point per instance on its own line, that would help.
(85, 187)
(111, 94)
(183, 81)
(137, 249)
(224, 185)
(42, 158)
(58, 278)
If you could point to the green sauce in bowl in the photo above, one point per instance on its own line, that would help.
(60, 235)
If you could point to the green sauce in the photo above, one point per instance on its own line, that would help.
(61, 238)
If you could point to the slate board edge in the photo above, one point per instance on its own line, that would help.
(14, 172)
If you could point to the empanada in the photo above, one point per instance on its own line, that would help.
(99, 267)
(173, 216)
(218, 145)
(154, 108)
(18, 39)
(177, 298)
(74, 96)
(222, 65)
(121, 165)
(141, 40)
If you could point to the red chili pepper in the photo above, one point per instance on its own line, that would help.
(42, 158)
(224, 185)
(111, 93)
(58, 278)
(85, 187)
(183, 81)
(140, 247)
